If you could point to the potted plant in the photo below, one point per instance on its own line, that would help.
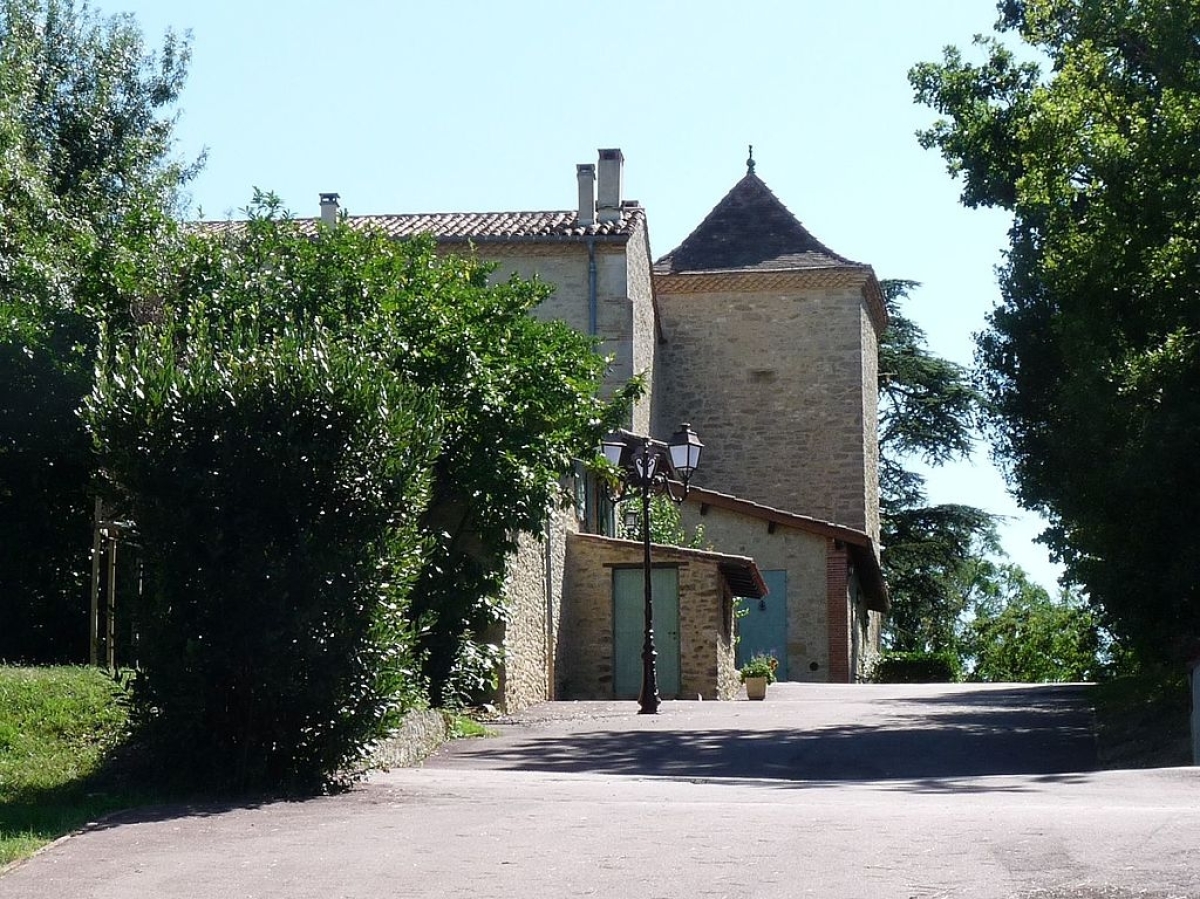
(759, 671)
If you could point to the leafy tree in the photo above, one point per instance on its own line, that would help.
(1092, 360)
(934, 551)
(86, 185)
(928, 410)
(518, 398)
(1020, 634)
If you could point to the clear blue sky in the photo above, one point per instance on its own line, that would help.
(478, 106)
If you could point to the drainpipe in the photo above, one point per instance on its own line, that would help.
(593, 306)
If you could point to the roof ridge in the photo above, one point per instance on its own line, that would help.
(533, 224)
(460, 212)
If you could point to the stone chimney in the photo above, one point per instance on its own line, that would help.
(608, 191)
(586, 175)
(330, 208)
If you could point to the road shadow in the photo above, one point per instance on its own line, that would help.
(987, 733)
(1034, 697)
(850, 753)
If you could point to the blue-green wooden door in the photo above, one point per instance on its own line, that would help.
(629, 621)
(764, 626)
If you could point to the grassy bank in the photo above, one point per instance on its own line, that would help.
(57, 726)
(62, 731)
(1143, 721)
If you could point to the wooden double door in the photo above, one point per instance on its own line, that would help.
(629, 629)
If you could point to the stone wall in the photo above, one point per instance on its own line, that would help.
(802, 556)
(534, 592)
(780, 385)
(870, 421)
(585, 644)
(585, 658)
(645, 330)
(623, 310)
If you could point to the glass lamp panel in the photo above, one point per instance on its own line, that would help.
(685, 451)
(613, 448)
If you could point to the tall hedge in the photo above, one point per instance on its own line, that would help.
(276, 480)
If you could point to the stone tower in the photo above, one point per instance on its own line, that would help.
(769, 349)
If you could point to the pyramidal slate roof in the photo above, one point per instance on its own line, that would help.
(750, 230)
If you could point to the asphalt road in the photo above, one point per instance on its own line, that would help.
(823, 791)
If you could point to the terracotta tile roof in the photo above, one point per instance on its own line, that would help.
(480, 227)
(862, 548)
(750, 230)
(741, 573)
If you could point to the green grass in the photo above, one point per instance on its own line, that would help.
(1143, 721)
(57, 728)
(463, 726)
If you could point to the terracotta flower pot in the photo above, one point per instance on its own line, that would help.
(756, 688)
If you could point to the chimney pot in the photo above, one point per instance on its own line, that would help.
(608, 191)
(330, 208)
(585, 173)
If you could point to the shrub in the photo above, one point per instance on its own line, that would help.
(276, 484)
(916, 668)
(518, 398)
(761, 665)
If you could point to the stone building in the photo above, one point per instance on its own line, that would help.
(766, 341)
(770, 350)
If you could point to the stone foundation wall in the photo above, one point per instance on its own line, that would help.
(420, 733)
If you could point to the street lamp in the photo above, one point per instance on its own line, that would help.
(645, 468)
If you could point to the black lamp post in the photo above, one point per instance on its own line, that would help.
(646, 468)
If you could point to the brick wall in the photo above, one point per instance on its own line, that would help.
(840, 623)
(585, 657)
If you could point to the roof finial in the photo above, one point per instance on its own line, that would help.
(750, 162)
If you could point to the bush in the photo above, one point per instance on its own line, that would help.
(761, 665)
(917, 668)
(44, 528)
(276, 484)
